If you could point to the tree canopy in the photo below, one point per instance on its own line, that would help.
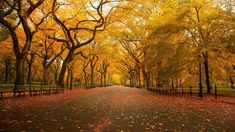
(140, 43)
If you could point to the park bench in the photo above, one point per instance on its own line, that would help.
(60, 89)
(45, 89)
(18, 89)
(35, 90)
(52, 90)
(3, 89)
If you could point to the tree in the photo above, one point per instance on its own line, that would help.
(92, 61)
(30, 61)
(206, 25)
(84, 66)
(22, 10)
(50, 50)
(200, 31)
(89, 25)
(8, 67)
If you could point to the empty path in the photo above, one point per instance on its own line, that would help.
(116, 108)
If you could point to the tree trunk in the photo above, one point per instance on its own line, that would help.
(156, 82)
(152, 81)
(84, 72)
(145, 78)
(56, 76)
(6, 71)
(71, 79)
(30, 63)
(45, 75)
(172, 84)
(231, 81)
(105, 79)
(62, 74)
(68, 78)
(180, 84)
(139, 77)
(64, 68)
(200, 80)
(135, 78)
(85, 78)
(20, 71)
(101, 79)
(92, 75)
(148, 80)
(131, 83)
(29, 73)
(206, 66)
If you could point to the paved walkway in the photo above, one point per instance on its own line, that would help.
(116, 108)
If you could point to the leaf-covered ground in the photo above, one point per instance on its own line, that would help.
(116, 108)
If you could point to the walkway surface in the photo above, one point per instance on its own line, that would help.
(116, 108)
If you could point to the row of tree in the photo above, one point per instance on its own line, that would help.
(172, 42)
(55, 34)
